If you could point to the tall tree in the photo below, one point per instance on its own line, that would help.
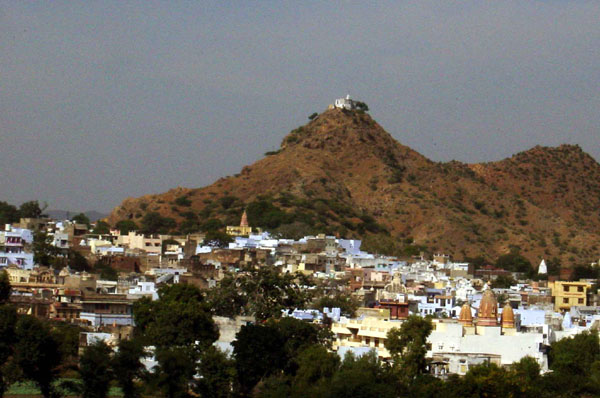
(37, 353)
(8, 213)
(127, 366)
(5, 288)
(180, 317)
(31, 209)
(94, 367)
(175, 369)
(217, 374)
(8, 321)
(259, 352)
(408, 346)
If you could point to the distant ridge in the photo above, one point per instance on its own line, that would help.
(342, 173)
(67, 215)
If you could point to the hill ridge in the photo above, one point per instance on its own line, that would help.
(342, 173)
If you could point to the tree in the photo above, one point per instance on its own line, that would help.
(361, 106)
(175, 369)
(269, 291)
(316, 367)
(217, 374)
(408, 346)
(179, 318)
(94, 368)
(217, 238)
(153, 223)
(504, 281)
(37, 353)
(572, 361)
(227, 299)
(259, 352)
(81, 218)
(124, 226)
(342, 300)
(127, 366)
(8, 321)
(514, 262)
(313, 115)
(43, 251)
(362, 377)
(5, 288)
(8, 213)
(31, 209)
(101, 228)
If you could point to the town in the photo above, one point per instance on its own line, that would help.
(94, 278)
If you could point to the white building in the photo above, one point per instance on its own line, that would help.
(345, 103)
(12, 247)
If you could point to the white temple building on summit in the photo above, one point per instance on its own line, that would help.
(345, 103)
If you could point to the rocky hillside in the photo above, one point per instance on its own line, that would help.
(343, 174)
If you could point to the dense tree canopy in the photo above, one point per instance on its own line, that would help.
(180, 317)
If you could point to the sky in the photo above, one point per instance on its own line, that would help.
(100, 101)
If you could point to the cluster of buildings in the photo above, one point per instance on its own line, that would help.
(473, 321)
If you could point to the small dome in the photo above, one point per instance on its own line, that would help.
(466, 317)
(508, 317)
(488, 310)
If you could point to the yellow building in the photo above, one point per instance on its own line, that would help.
(244, 229)
(568, 294)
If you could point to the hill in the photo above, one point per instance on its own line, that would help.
(343, 174)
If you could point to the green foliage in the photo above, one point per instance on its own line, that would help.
(153, 223)
(43, 251)
(179, 318)
(514, 262)
(31, 209)
(227, 201)
(125, 226)
(407, 346)
(504, 282)
(8, 213)
(37, 353)
(217, 238)
(175, 369)
(8, 321)
(313, 116)
(347, 303)
(216, 373)
(211, 224)
(95, 371)
(101, 228)
(5, 288)
(127, 367)
(106, 272)
(265, 214)
(361, 106)
(362, 377)
(262, 292)
(81, 218)
(183, 201)
(259, 352)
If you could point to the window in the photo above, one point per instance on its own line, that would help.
(376, 342)
(580, 301)
(580, 288)
(565, 300)
(565, 288)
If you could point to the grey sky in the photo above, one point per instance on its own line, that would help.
(104, 100)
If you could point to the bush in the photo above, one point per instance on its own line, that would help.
(183, 201)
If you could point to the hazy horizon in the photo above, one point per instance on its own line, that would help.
(103, 101)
